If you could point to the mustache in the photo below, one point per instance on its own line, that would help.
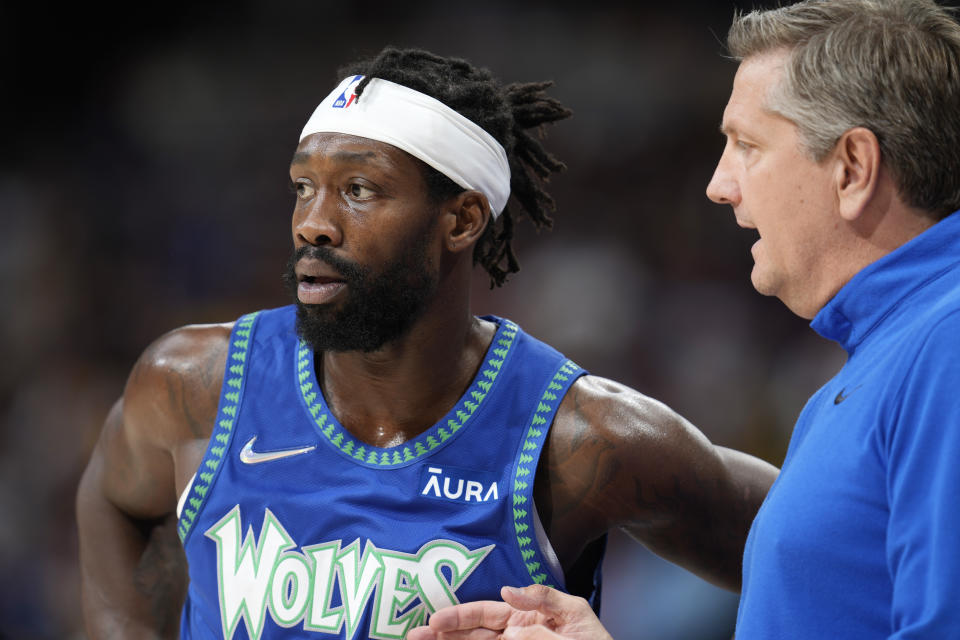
(350, 271)
(346, 268)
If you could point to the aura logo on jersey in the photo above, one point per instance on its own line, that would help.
(459, 485)
(269, 575)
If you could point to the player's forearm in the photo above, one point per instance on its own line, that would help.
(713, 511)
(132, 573)
(749, 480)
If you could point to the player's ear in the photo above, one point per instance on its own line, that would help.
(467, 214)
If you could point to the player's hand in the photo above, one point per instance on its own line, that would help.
(529, 613)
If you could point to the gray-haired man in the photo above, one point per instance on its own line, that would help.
(842, 149)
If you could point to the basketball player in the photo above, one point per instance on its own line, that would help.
(842, 151)
(352, 463)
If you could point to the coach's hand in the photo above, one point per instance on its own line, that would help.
(529, 613)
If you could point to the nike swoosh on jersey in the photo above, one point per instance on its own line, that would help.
(249, 456)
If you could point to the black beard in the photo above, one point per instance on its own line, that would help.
(379, 308)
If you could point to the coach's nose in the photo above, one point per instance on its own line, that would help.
(723, 187)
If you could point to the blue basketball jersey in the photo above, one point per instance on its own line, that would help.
(294, 528)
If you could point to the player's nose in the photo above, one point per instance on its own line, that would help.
(317, 222)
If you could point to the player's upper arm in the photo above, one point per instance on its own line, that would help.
(622, 459)
(170, 398)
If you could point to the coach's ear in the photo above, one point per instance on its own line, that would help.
(857, 171)
(467, 215)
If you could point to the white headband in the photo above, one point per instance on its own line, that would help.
(423, 127)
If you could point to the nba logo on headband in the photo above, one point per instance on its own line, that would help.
(422, 126)
(348, 96)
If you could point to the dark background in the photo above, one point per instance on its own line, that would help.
(143, 186)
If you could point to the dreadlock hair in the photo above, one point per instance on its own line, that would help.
(505, 113)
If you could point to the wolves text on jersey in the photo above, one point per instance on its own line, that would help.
(269, 575)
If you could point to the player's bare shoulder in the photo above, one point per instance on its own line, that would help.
(608, 444)
(175, 384)
(598, 410)
(154, 436)
(618, 458)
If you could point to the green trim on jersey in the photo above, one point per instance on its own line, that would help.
(430, 439)
(526, 468)
(222, 430)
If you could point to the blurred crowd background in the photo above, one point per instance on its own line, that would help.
(143, 186)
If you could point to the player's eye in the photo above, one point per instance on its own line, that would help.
(303, 190)
(359, 191)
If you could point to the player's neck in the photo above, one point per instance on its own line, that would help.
(391, 395)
